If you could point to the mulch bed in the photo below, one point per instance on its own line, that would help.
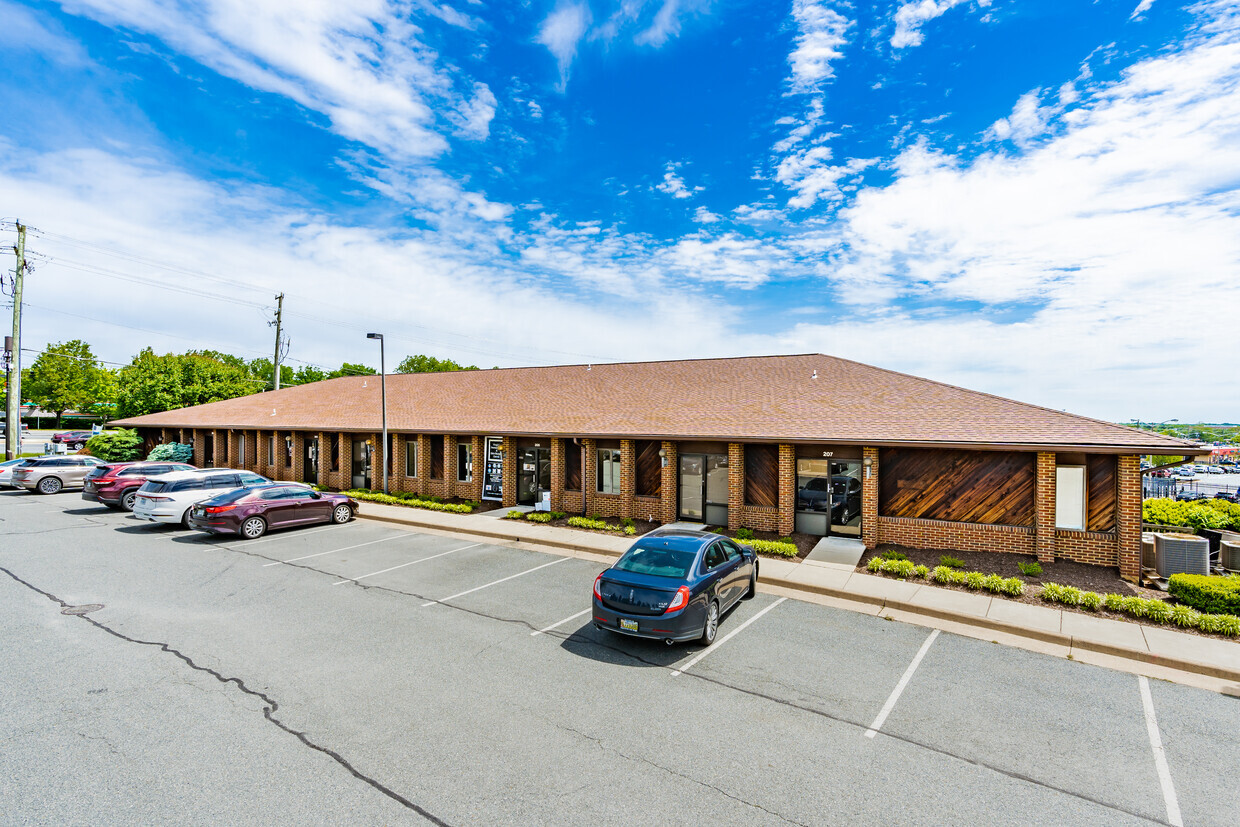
(804, 542)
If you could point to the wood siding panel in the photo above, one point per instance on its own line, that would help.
(572, 466)
(987, 487)
(762, 475)
(437, 457)
(1100, 493)
(649, 468)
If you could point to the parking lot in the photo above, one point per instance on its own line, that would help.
(375, 674)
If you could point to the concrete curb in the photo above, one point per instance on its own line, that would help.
(1058, 638)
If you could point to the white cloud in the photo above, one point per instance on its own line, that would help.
(704, 216)
(23, 30)
(561, 32)
(1141, 9)
(474, 119)
(820, 37)
(674, 185)
(810, 173)
(910, 17)
(1028, 119)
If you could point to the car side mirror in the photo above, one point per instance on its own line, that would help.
(316, 495)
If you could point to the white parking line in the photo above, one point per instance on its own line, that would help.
(333, 551)
(726, 638)
(402, 565)
(496, 582)
(561, 623)
(281, 536)
(1160, 756)
(895, 695)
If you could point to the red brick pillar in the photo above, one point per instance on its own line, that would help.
(736, 485)
(1128, 517)
(628, 477)
(479, 473)
(378, 456)
(346, 461)
(510, 472)
(199, 449)
(298, 470)
(589, 483)
(787, 489)
(398, 462)
(1044, 509)
(670, 484)
(869, 497)
(234, 455)
(557, 474)
(325, 459)
(449, 466)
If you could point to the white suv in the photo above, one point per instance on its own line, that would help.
(168, 497)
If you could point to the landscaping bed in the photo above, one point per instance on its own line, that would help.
(804, 542)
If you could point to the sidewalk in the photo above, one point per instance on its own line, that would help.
(1060, 632)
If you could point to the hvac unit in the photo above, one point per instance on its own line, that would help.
(1181, 554)
(1230, 552)
(1147, 550)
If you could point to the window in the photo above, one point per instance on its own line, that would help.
(222, 481)
(271, 450)
(253, 479)
(188, 485)
(608, 471)
(288, 452)
(1070, 497)
(715, 557)
(335, 451)
(464, 462)
(273, 493)
(241, 449)
(411, 457)
(730, 549)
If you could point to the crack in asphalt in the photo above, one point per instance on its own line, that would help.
(269, 710)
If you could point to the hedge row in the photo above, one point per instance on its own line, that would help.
(1156, 610)
(409, 500)
(1216, 595)
(1196, 514)
(948, 576)
(778, 547)
(599, 525)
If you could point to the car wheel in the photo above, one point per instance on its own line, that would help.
(50, 485)
(341, 514)
(79, 445)
(712, 624)
(128, 499)
(254, 528)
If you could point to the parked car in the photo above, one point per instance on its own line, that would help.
(168, 497)
(1189, 496)
(674, 584)
(6, 472)
(115, 484)
(1214, 469)
(1233, 497)
(49, 475)
(74, 439)
(252, 512)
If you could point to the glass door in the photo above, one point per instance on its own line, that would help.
(692, 487)
(310, 460)
(846, 497)
(361, 464)
(533, 474)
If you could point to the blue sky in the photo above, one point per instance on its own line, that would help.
(1037, 200)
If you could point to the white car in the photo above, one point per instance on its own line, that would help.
(168, 497)
(6, 472)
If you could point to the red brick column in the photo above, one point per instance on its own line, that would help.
(378, 455)
(346, 461)
(510, 471)
(325, 459)
(736, 485)
(1044, 509)
(787, 489)
(628, 477)
(449, 465)
(869, 497)
(557, 474)
(671, 482)
(589, 484)
(199, 450)
(477, 448)
(1128, 516)
(298, 470)
(233, 456)
(398, 481)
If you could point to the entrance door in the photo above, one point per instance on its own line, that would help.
(704, 488)
(310, 460)
(361, 463)
(829, 496)
(533, 474)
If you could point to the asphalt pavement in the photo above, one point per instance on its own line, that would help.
(375, 674)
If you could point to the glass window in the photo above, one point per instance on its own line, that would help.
(222, 481)
(288, 451)
(188, 485)
(716, 479)
(730, 549)
(253, 479)
(411, 457)
(274, 493)
(241, 449)
(813, 484)
(661, 562)
(464, 461)
(608, 471)
(335, 441)
(300, 494)
(271, 450)
(1070, 497)
(715, 557)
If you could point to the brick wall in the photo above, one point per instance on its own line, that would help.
(628, 476)
(1128, 517)
(510, 471)
(1044, 508)
(1095, 547)
(589, 484)
(736, 487)
(557, 475)
(870, 534)
(787, 489)
(199, 448)
(940, 534)
(325, 459)
(671, 485)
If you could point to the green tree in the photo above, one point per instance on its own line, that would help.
(160, 383)
(261, 369)
(66, 376)
(420, 363)
(349, 369)
(308, 373)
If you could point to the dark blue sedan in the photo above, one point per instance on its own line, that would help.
(674, 584)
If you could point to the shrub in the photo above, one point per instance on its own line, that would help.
(1217, 595)
(593, 523)
(172, 452)
(539, 517)
(1198, 514)
(630, 530)
(1113, 602)
(891, 554)
(121, 445)
(921, 571)
(1030, 569)
(1157, 611)
(1090, 601)
(1219, 624)
(974, 579)
(744, 534)
(627, 522)
(515, 515)
(944, 575)
(875, 565)
(1184, 616)
(776, 547)
(951, 562)
(366, 495)
(1134, 606)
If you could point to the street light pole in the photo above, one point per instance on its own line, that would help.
(383, 386)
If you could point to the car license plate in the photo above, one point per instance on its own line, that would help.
(629, 625)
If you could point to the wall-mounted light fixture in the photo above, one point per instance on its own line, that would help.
(662, 458)
(867, 462)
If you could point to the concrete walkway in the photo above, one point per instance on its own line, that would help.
(1160, 652)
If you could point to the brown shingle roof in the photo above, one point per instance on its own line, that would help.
(763, 398)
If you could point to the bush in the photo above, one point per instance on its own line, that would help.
(921, 571)
(1216, 595)
(776, 547)
(1197, 514)
(121, 445)
(1185, 616)
(172, 452)
(1030, 569)
(594, 523)
(744, 534)
(1090, 601)
(974, 579)
(515, 515)
(943, 574)
(627, 522)
(891, 554)
(951, 562)
(539, 517)
(366, 495)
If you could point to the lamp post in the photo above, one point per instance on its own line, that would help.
(383, 386)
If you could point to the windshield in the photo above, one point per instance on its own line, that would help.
(660, 562)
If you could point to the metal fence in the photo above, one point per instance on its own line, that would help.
(1173, 487)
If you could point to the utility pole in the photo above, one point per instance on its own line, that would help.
(13, 407)
(275, 364)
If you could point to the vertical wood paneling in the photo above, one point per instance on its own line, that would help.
(649, 469)
(1100, 492)
(989, 487)
(572, 466)
(762, 475)
(437, 457)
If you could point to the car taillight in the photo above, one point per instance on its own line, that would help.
(679, 601)
(218, 509)
(598, 596)
(156, 499)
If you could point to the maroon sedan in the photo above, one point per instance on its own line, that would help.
(116, 483)
(74, 439)
(252, 512)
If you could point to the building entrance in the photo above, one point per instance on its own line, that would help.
(533, 474)
(361, 464)
(310, 460)
(704, 488)
(829, 496)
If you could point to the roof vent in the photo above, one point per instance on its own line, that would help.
(273, 411)
(815, 376)
(590, 367)
(365, 382)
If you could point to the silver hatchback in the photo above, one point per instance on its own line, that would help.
(49, 475)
